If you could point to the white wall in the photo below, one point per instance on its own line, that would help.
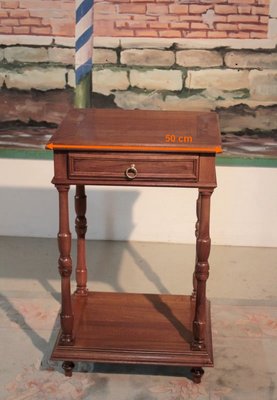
(243, 207)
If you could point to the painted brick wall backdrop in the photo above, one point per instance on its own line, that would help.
(188, 19)
(37, 17)
(158, 54)
(139, 18)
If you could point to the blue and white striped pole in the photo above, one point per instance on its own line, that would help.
(83, 55)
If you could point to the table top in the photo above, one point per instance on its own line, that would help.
(138, 130)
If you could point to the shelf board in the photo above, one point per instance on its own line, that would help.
(134, 328)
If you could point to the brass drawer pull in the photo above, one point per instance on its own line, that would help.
(131, 172)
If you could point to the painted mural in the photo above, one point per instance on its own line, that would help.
(166, 55)
(136, 18)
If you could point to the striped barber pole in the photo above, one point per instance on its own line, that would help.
(84, 31)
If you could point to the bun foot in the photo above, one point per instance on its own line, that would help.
(68, 367)
(197, 374)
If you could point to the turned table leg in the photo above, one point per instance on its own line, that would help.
(203, 245)
(198, 207)
(65, 266)
(81, 229)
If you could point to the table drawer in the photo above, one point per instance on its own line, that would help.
(133, 167)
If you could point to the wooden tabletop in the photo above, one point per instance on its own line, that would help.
(138, 130)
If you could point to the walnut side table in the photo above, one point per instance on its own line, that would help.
(134, 148)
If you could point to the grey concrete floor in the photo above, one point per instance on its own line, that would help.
(242, 288)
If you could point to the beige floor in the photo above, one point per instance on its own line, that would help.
(242, 287)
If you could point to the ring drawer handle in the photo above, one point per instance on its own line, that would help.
(131, 172)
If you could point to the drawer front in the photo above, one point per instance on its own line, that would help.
(124, 168)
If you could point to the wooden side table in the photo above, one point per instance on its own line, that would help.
(134, 148)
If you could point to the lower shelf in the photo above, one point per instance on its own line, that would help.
(134, 328)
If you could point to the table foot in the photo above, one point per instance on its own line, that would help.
(68, 367)
(197, 374)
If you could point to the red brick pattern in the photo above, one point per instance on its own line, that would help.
(37, 17)
(184, 19)
(241, 19)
